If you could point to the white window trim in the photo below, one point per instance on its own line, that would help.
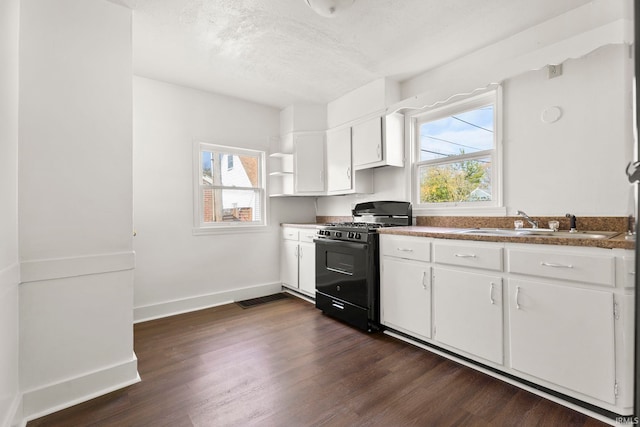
(496, 207)
(201, 228)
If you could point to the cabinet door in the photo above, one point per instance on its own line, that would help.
(307, 268)
(367, 142)
(564, 335)
(467, 309)
(309, 163)
(405, 288)
(289, 263)
(339, 174)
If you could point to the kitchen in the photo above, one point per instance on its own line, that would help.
(152, 125)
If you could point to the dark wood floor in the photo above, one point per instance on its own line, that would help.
(285, 364)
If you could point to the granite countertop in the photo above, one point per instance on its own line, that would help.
(616, 242)
(285, 224)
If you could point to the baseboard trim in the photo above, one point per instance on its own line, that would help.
(54, 397)
(185, 305)
(58, 268)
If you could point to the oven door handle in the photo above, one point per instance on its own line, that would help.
(337, 270)
(343, 243)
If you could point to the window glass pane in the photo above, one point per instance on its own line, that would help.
(222, 205)
(464, 181)
(239, 171)
(206, 158)
(461, 133)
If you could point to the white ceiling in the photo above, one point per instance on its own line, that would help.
(279, 52)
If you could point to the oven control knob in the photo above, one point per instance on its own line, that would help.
(338, 234)
(351, 234)
(357, 236)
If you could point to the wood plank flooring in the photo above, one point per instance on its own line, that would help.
(286, 364)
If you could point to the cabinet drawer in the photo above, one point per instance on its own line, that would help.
(567, 266)
(407, 247)
(290, 233)
(481, 255)
(307, 234)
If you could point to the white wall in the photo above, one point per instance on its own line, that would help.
(75, 202)
(175, 270)
(577, 163)
(9, 271)
(574, 165)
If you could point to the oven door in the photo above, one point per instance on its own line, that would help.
(346, 271)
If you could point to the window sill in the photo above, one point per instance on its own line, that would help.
(228, 229)
(461, 211)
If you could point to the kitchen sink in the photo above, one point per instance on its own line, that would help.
(539, 232)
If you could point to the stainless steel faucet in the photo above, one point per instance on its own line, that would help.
(572, 226)
(533, 223)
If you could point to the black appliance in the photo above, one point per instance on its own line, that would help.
(347, 263)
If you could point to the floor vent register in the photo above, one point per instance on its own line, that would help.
(248, 303)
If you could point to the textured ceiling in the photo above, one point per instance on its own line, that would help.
(279, 52)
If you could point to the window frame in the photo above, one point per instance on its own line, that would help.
(491, 95)
(201, 227)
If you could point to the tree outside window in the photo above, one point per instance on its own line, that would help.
(456, 153)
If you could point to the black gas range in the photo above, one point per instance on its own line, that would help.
(347, 265)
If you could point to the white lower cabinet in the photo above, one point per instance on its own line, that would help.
(289, 263)
(559, 317)
(405, 284)
(406, 296)
(307, 268)
(467, 312)
(298, 260)
(564, 335)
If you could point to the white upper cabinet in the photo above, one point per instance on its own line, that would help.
(308, 157)
(379, 142)
(339, 170)
(341, 178)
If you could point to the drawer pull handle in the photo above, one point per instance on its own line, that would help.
(491, 293)
(405, 249)
(337, 305)
(465, 255)
(632, 272)
(550, 264)
(517, 295)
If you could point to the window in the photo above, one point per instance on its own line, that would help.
(229, 187)
(457, 161)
